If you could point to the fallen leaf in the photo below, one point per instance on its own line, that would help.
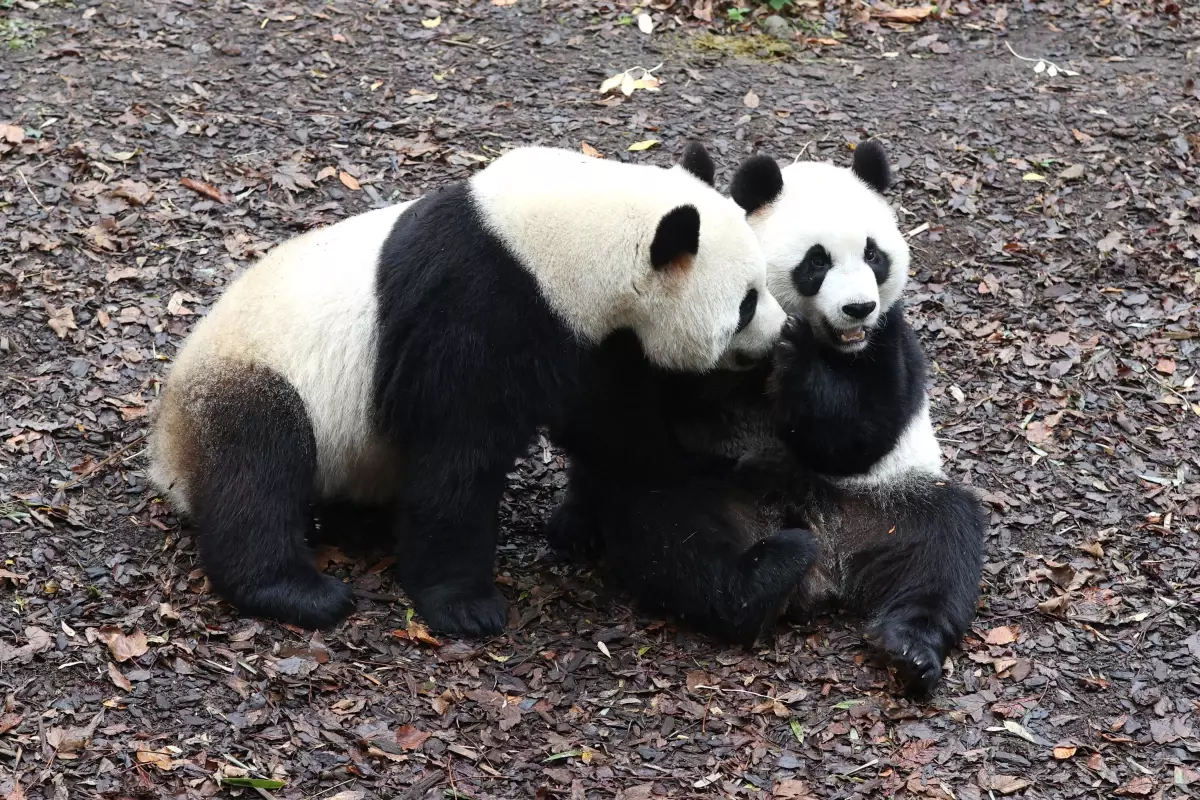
(135, 192)
(1166, 366)
(1007, 784)
(1004, 634)
(61, 320)
(645, 24)
(904, 15)
(1138, 787)
(417, 96)
(643, 145)
(750, 100)
(118, 679)
(13, 134)
(791, 790)
(411, 738)
(1036, 432)
(1072, 173)
(588, 150)
(38, 641)
(418, 633)
(175, 306)
(432, 23)
(121, 273)
(504, 2)
(205, 189)
(122, 647)
(1064, 751)
(1033, 177)
(696, 679)
(1109, 242)
(349, 181)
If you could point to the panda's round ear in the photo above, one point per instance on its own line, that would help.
(697, 161)
(757, 182)
(871, 166)
(677, 239)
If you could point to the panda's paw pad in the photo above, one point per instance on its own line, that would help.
(473, 611)
(314, 601)
(915, 651)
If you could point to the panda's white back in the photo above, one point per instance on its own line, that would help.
(308, 311)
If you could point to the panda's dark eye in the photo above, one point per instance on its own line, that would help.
(747, 309)
(871, 253)
(810, 272)
(877, 260)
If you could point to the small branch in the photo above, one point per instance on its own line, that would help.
(30, 189)
(97, 467)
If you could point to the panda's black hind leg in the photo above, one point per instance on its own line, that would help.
(769, 573)
(252, 492)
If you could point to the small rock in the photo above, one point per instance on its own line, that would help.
(777, 26)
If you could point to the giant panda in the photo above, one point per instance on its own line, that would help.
(403, 357)
(814, 479)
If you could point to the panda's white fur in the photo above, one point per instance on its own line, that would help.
(330, 317)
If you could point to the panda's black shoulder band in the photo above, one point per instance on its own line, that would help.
(757, 182)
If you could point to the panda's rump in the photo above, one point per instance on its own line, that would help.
(307, 312)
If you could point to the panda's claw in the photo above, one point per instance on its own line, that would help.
(915, 644)
(469, 611)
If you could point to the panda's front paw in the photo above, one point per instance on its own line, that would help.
(305, 598)
(572, 531)
(466, 610)
(916, 645)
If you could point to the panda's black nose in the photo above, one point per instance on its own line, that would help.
(859, 310)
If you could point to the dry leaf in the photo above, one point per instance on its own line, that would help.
(644, 145)
(121, 273)
(122, 647)
(161, 760)
(135, 192)
(13, 134)
(175, 306)
(791, 790)
(1007, 784)
(118, 679)
(39, 641)
(1166, 366)
(418, 633)
(1033, 177)
(1064, 751)
(349, 181)
(61, 320)
(750, 100)
(504, 2)
(1002, 635)
(1072, 173)
(904, 15)
(1036, 432)
(432, 23)
(411, 738)
(1138, 787)
(588, 150)
(206, 189)
(645, 24)
(417, 96)
(1109, 242)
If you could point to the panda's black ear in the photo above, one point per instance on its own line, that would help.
(871, 166)
(757, 182)
(677, 239)
(697, 161)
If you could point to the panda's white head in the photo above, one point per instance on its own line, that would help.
(639, 247)
(835, 255)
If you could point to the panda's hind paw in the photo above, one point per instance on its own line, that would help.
(307, 600)
(915, 649)
(469, 611)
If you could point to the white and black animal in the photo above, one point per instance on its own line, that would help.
(833, 438)
(404, 357)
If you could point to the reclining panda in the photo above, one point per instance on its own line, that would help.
(403, 358)
(713, 521)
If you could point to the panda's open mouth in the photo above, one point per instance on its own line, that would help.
(852, 336)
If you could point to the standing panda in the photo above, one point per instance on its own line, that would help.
(403, 357)
(833, 439)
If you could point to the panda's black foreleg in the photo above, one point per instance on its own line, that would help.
(446, 539)
(252, 492)
(916, 577)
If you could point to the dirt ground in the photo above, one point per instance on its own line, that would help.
(151, 149)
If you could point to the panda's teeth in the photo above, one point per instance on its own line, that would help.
(856, 335)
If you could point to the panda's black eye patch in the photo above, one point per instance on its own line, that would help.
(747, 309)
(809, 274)
(877, 260)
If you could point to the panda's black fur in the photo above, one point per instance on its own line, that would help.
(699, 498)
